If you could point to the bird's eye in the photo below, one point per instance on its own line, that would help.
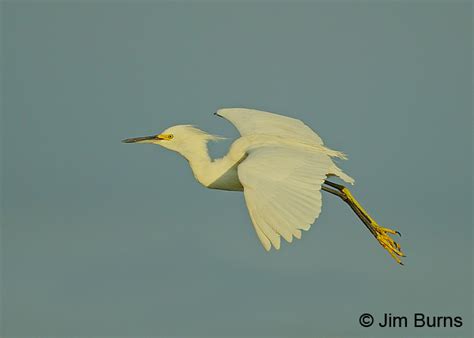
(166, 137)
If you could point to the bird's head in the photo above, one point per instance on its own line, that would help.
(177, 138)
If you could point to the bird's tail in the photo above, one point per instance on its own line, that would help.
(335, 170)
(341, 174)
(334, 153)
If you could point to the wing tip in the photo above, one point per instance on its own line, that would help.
(276, 245)
(297, 234)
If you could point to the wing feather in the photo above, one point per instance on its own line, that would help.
(262, 228)
(282, 190)
(252, 121)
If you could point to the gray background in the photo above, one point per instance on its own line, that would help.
(101, 238)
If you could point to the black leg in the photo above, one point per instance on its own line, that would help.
(380, 233)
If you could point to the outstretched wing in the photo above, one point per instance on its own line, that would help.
(282, 190)
(251, 121)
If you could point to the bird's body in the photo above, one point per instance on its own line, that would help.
(279, 163)
(222, 173)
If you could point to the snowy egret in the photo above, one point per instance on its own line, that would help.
(280, 164)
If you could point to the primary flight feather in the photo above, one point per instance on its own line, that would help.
(280, 164)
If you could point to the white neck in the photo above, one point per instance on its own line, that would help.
(203, 167)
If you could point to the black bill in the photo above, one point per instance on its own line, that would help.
(139, 139)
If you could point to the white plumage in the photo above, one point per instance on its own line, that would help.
(282, 190)
(278, 162)
(255, 122)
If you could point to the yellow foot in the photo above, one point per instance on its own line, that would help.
(380, 233)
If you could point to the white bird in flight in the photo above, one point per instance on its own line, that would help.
(280, 164)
